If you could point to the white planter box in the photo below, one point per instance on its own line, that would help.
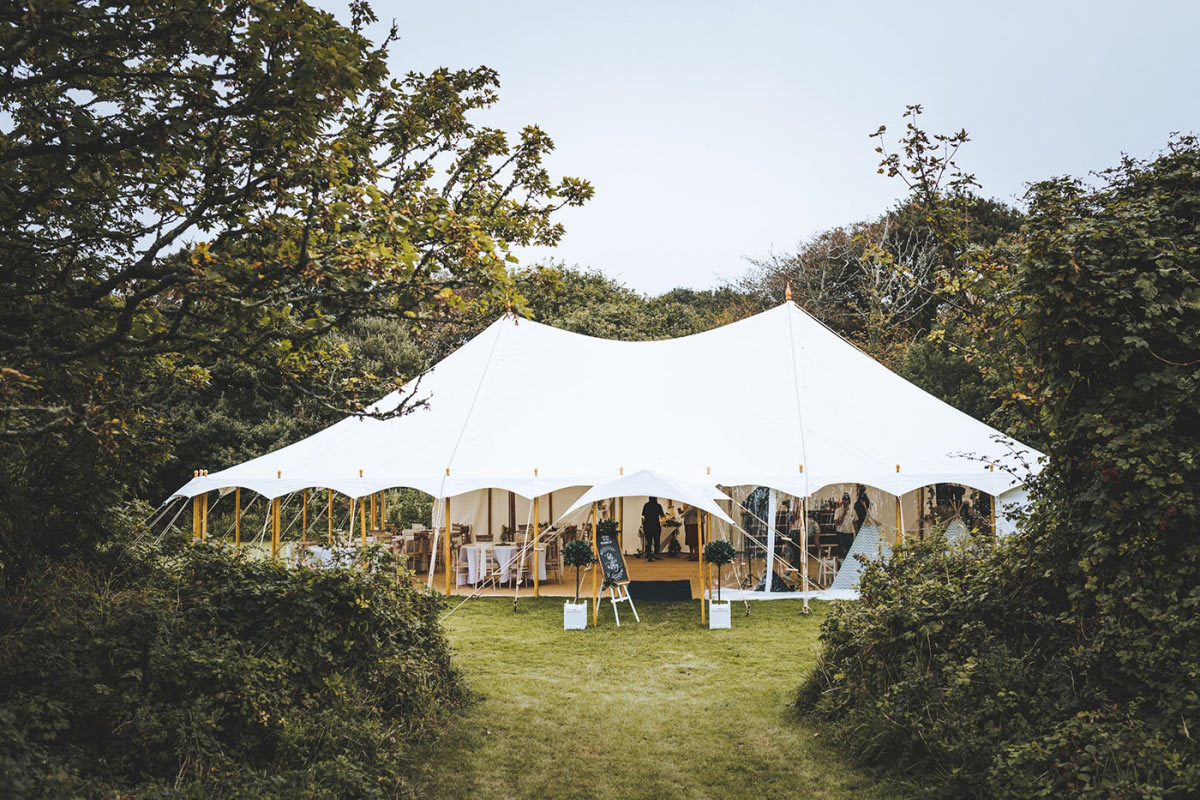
(718, 615)
(575, 616)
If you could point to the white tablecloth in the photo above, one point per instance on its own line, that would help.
(473, 556)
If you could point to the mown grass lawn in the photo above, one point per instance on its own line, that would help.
(661, 709)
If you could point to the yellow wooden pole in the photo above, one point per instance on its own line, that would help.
(374, 503)
(382, 508)
(196, 517)
(362, 519)
(537, 590)
(447, 546)
(237, 516)
(595, 569)
(275, 526)
(304, 516)
(329, 513)
(993, 514)
(899, 530)
(621, 524)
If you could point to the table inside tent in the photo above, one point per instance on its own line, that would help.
(473, 556)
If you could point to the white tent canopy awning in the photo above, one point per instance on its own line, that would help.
(650, 483)
(776, 400)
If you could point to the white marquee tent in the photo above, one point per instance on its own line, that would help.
(774, 400)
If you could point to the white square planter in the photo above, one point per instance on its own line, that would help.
(575, 616)
(718, 615)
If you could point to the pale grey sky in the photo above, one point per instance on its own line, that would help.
(715, 131)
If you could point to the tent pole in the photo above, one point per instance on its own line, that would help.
(804, 549)
(489, 528)
(382, 507)
(621, 524)
(446, 525)
(537, 590)
(329, 513)
(237, 516)
(596, 553)
(275, 510)
(304, 516)
(993, 516)
(899, 521)
(772, 505)
(700, 566)
(204, 517)
(362, 520)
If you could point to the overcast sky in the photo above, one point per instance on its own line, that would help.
(717, 131)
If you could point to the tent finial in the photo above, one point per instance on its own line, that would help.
(620, 470)
(787, 293)
(278, 473)
(535, 472)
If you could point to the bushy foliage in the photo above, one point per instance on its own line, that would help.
(1065, 663)
(194, 671)
(578, 554)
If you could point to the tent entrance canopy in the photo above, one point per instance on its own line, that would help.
(650, 484)
(521, 407)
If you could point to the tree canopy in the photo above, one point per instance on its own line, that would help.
(196, 183)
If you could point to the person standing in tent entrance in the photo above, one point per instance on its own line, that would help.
(861, 507)
(691, 528)
(845, 526)
(652, 514)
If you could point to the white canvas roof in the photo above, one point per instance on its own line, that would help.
(649, 483)
(776, 400)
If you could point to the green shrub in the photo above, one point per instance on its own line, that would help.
(195, 671)
(1067, 661)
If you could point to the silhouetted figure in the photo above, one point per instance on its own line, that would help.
(652, 527)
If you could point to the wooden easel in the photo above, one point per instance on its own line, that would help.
(619, 593)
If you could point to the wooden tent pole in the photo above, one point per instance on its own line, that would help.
(304, 516)
(237, 516)
(275, 534)
(899, 526)
(362, 519)
(204, 517)
(446, 521)
(537, 589)
(621, 524)
(329, 513)
(382, 508)
(595, 569)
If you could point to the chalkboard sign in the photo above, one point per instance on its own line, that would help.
(611, 561)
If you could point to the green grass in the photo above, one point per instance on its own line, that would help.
(662, 709)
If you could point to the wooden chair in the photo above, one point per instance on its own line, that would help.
(826, 566)
(553, 561)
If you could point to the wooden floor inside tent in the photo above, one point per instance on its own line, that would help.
(669, 569)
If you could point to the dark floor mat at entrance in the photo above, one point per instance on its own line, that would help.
(661, 591)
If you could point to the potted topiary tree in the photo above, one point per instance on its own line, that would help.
(577, 554)
(718, 553)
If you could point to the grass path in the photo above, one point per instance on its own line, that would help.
(664, 709)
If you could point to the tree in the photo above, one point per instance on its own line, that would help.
(578, 554)
(201, 183)
(1053, 665)
(719, 553)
